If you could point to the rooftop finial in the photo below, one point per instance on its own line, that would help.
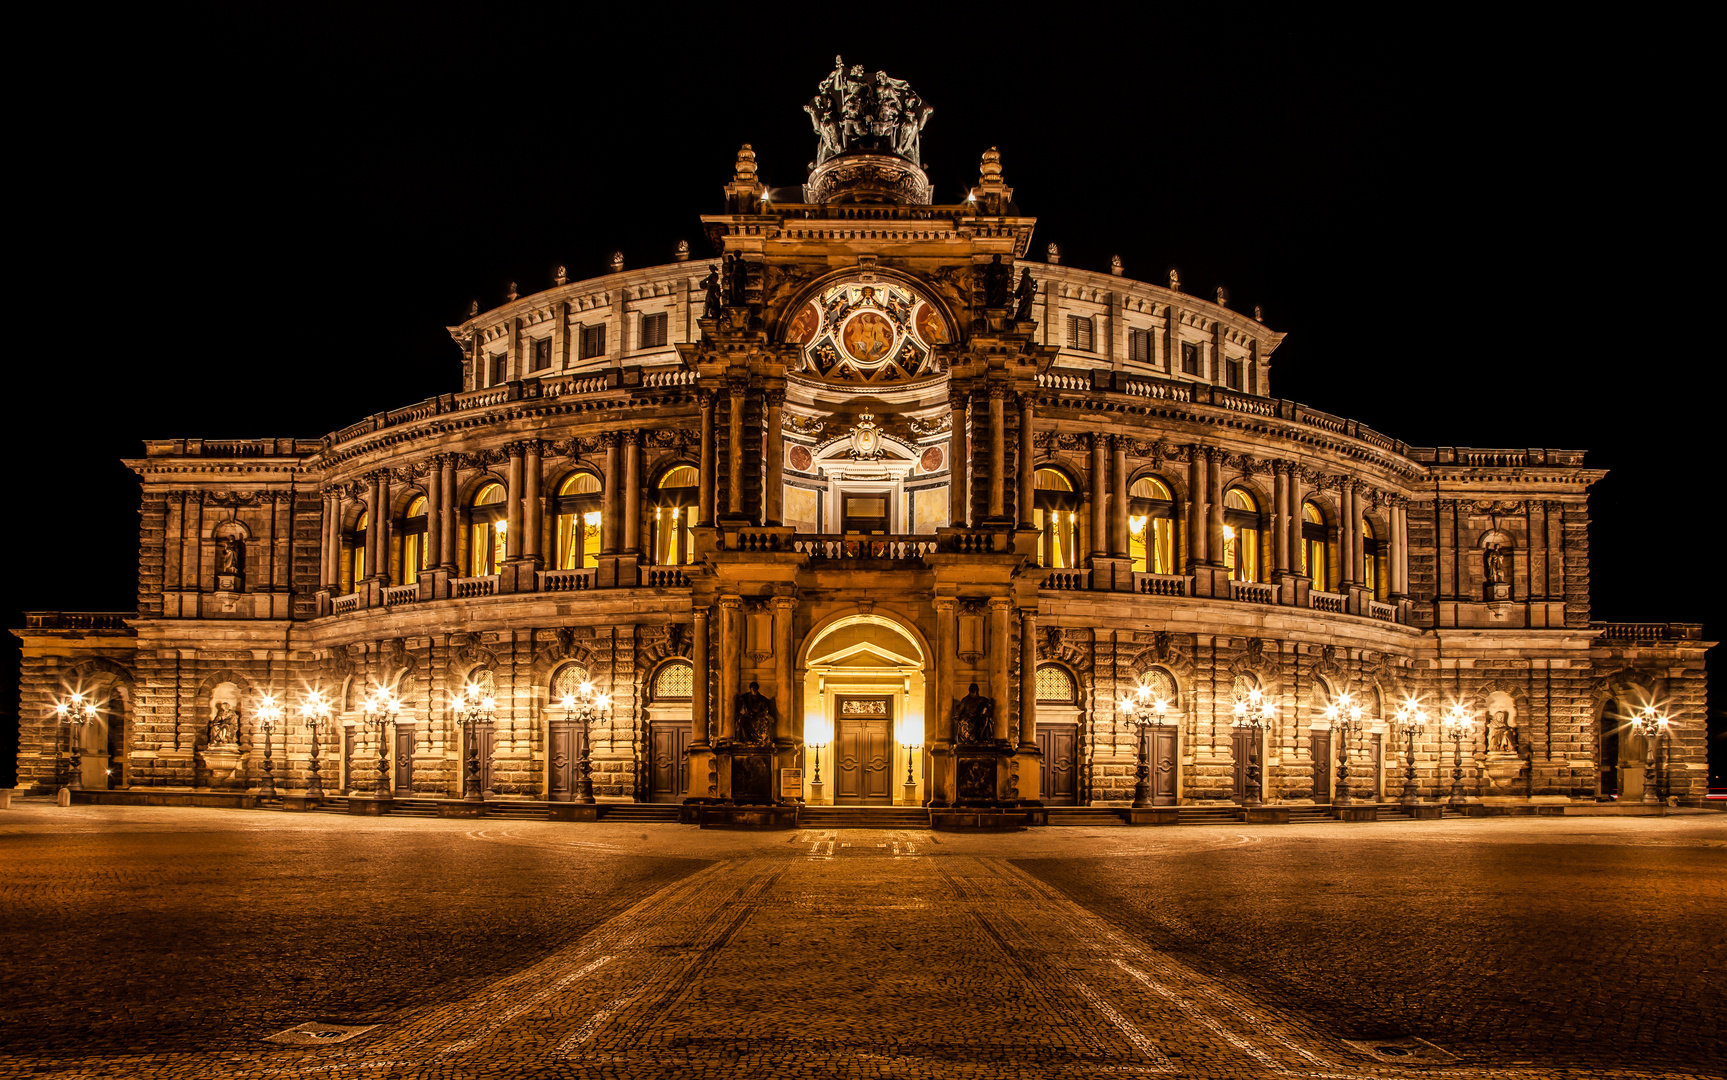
(990, 170)
(1258, 313)
(1052, 255)
(561, 276)
(874, 114)
(617, 262)
(1222, 296)
(512, 294)
(682, 251)
(745, 170)
(1174, 280)
(1115, 265)
(473, 308)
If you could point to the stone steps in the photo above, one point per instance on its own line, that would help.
(1205, 815)
(863, 817)
(643, 812)
(1086, 815)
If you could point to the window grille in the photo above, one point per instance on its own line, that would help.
(1139, 346)
(654, 330)
(569, 680)
(1079, 333)
(1054, 684)
(542, 354)
(593, 341)
(1189, 358)
(675, 680)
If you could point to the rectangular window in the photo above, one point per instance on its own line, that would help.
(542, 354)
(1233, 370)
(654, 330)
(1139, 346)
(1189, 358)
(1079, 333)
(500, 369)
(593, 341)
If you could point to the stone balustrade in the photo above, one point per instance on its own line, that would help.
(864, 547)
(1332, 603)
(466, 588)
(567, 580)
(1648, 631)
(397, 595)
(1163, 584)
(1252, 592)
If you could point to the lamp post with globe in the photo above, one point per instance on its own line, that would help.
(1651, 725)
(1143, 710)
(269, 715)
(1344, 714)
(1457, 722)
(1411, 721)
(74, 712)
(472, 709)
(315, 713)
(380, 710)
(1254, 715)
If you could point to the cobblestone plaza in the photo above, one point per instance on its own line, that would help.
(174, 942)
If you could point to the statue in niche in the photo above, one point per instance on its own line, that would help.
(755, 717)
(711, 287)
(1495, 564)
(996, 278)
(1502, 733)
(225, 725)
(974, 718)
(229, 555)
(1023, 296)
(737, 280)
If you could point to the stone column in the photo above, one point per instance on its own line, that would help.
(1099, 495)
(1280, 520)
(1028, 678)
(947, 650)
(1196, 531)
(330, 573)
(533, 511)
(997, 451)
(609, 496)
(449, 496)
(705, 492)
(735, 450)
(1118, 532)
(1296, 517)
(1000, 657)
(699, 677)
(775, 452)
(1214, 496)
(731, 626)
(380, 528)
(959, 466)
(435, 513)
(1399, 547)
(1358, 545)
(1347, 532)
(632, 491)
(784, 608)
(1027, 456)
(513, 504)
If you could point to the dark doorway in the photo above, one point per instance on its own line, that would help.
(404, 763)
(1059, 745)
(1241, 742)
(115, 720)
(1160, 751)
(863, 751)
(1321, 766)
(866, 512)
(669, 764)
(1609, 755)
(354, 772)
(1376, 762)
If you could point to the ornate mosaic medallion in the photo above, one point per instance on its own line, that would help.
(875, 333)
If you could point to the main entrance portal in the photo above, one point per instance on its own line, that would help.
(864, 690)
(864, 751)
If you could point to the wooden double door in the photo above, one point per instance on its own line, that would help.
(864, 750)
(1059, 745)
(1160, 751)
(668, 760)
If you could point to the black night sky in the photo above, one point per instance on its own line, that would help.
(1467, 243)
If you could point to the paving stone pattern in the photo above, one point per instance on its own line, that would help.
(169, 943)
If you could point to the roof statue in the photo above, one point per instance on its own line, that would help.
(876, 113)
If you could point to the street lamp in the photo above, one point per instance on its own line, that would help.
(381, 709)
(75, 712)
(1458, 722)
(1344, 714)
(817, 732)
(315, 713)
(1255, 715)
(910, 737)
(592, 707)
(472, 710)
(1144, 710)
(1411, 720)
(268, 714)
(1651, 726)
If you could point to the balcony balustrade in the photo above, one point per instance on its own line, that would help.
(1332, 603)
(1252, 592)
(467, 587)
(865, 547)
(397, 595)
(568, 580)
(1163, 584)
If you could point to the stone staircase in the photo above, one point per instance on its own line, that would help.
(517, 810)
(863, 817)
(1086, 815)
(646, 813)
(1205, 815)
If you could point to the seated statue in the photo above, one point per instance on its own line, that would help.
(755, 717)
(974, 719)
(225, 726)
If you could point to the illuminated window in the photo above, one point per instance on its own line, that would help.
(674, 512)
(1151, 526)
(486, 543)
(1314, 547)
(356, 554)
(1054, 684)
(578, 540)
(1232, 373)
(413, 531)
(674, 682)
(1055, 511)
(1372, 578)
(1241, 535)
(500, 369)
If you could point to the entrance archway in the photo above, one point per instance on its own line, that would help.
(864, 682)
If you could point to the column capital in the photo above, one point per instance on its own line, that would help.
(1121, 444)
(610, 439)
(958, 398)
(784, 603)
(738, 384)
(515, 449)
(1028, 614)
(705, 398)
(1000, 603)
(775, 398)
(1280, 467)
(1217, 455)
(944, 604)
(731, 602)
(997, 392)
(632, 436)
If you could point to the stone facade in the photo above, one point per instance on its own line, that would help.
(916, 472)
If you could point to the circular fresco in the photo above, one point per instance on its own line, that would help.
(931, 460)
(799, 458)
(876, 332)
(868, 338)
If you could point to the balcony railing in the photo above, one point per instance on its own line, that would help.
(865, 547)
(1252, 592)
(1377, 610)
(1333, 603)
(1648, 631)
(397, 595)
(467, 587)
(78, 620)
(341, 605)
(567, 580)
(663, 577)
(1162, 584)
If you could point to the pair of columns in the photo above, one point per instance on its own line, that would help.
(960, 403)
(731, 645)
(736, 397)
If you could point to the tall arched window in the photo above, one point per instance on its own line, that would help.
(1314, 547)
(486, 546)
(1241, 535)
(1370, 560)
(413, 532)
(1151, 526)
(1055, 510)
(674, 511)
(578, 521)
(357, 554)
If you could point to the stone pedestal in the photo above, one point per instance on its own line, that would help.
(221, 761)
(1504, 773)
(461, 809)
(567, 811)
(300, 803)
(1428, 812)
(818, 794)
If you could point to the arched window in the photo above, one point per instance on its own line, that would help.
(1055, 685)
(1314, 546)
(674, 511)
(675, 681)
(1055, 510)
(486, 545)
(578, 521)
(1151, 526)
(413, 530)
(1370, 560)
(357, 554)
(1241, 535)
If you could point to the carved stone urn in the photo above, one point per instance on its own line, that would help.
(221, 761)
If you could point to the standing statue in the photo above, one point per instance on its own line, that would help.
(1503, 733)
(225, 725)
(974, 718)
(228, 555)
(876, 113)
(996, 282)
(1496, 564)
(1023, 296)
(755, 717)
(711, 287)
(737, 281)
